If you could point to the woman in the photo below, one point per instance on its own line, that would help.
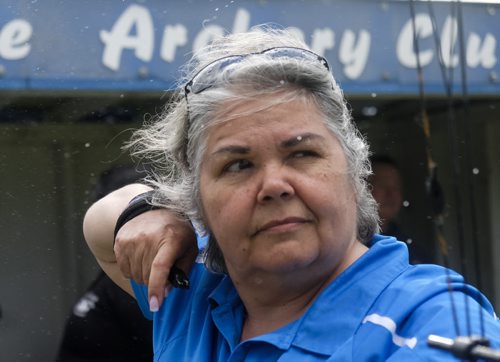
(260, 153)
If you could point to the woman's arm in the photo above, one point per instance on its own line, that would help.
(98, 230)
(146, 247)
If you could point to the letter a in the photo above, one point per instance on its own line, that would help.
(119, 37)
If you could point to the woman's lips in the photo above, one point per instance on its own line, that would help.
(282, 225)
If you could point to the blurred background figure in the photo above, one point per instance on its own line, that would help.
(106, 324)
(387, 189)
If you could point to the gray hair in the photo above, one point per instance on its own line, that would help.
(176, 141)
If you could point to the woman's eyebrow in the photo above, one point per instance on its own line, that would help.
(231, 149)
(288, 143)
(296, 140)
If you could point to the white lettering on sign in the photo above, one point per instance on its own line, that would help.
(322, 40)
(353, 55)
(134, 30)
(477, 52)
(173, 37)
(449, 42)
(481, 55)
(405, 46)
(241, 21)
(14, 39)
(120, 38)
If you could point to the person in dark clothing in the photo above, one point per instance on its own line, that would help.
(106, 324)
(387, 190)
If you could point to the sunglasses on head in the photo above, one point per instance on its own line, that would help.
(207, 76)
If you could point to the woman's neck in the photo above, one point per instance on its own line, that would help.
(267, 312)
(272, 302)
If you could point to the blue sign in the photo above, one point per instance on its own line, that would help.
(109, 45)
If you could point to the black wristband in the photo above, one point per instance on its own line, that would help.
(139, 205)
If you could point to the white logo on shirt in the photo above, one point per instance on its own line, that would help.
(390, 325)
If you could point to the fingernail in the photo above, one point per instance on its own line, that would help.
(167, 290)
(153, 304)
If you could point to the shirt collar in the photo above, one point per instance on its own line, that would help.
(351, 294)
(227, 311)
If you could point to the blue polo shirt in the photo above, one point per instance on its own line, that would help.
(380, 308)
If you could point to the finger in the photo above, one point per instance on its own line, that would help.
(136, 261)
(125, 268)
(147, 260)
(160, 269)
(122, 261)
(168, 289)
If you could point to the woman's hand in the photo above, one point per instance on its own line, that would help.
(148, 246)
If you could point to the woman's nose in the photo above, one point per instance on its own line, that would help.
(275, 185)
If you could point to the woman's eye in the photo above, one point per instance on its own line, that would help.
(237, 166)
(304, 153)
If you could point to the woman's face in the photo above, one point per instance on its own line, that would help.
(275, 191)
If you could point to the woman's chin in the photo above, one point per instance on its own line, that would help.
(285, 263)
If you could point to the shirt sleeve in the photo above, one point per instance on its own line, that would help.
(141, 295)
(398, 326)
(196, 276)
(438, 320)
